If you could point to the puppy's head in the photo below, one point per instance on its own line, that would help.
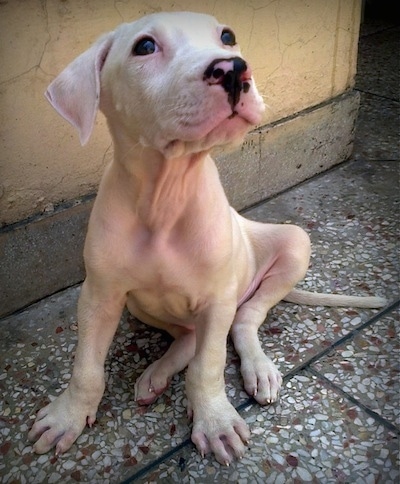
(173, 81)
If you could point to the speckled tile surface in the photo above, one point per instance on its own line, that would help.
(311, 435)
(351, 211)
(37, 349)
(378, 80)
(354, 246)
(378, 68)
(367, 367)
(378, 125)
(338, 417)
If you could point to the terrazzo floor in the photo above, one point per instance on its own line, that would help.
(338, 417)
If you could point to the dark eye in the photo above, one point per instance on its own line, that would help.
(145, 46)
(228, 37)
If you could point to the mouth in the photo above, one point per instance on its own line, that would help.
(228, 131)
(233, 114)
(224, 122)
(239, 117)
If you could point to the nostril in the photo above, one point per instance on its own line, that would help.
(218, 73)
(220, 67)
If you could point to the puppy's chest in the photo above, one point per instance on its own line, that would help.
(172, 281)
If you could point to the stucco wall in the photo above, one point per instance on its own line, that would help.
(302, 52)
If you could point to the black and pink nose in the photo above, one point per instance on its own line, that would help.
(232, 74)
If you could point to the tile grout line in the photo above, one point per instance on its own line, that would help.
(343, 339)
(352, 159)
(382, 420)
(371, 93)
(155, 463)
(27, 307)
(380, 31)
(304, 366)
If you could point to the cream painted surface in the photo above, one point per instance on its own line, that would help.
(303, 52)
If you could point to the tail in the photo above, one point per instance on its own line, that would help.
(298, 296)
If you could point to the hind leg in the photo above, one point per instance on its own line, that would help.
(156, 377)
(282, 254)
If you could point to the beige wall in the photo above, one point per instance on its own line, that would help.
(303, 52)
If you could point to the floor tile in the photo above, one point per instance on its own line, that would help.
(353, 252)
(311, 435)
(378, 120)
(367, 367)
(378, 69)
(37, 350)
(351, 216)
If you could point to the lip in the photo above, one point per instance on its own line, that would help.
(234, 123)
(228, 118)
(252, 116)
(245, 114)
(227, 129)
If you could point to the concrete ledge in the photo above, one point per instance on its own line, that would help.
(44, 255)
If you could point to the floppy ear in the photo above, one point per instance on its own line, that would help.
(75, 93)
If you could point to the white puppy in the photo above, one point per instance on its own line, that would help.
(162, 238)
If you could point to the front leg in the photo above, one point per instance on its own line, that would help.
(61, 422)
(217, 427)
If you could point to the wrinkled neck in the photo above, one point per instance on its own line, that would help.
(162, 192)
(171, 191)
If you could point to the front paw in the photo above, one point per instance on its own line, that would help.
(218, 428)
(60, 423)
